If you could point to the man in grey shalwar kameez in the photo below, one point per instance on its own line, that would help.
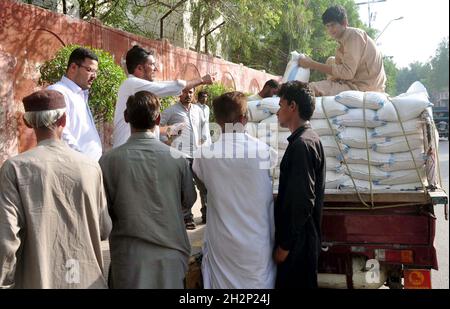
(53, 212)
(147, 185)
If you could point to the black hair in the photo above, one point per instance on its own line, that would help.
(302, 94)
(336, 13)
(79, 54)
(272, 84)
(136, 56)
(201, 93)
(143, 110)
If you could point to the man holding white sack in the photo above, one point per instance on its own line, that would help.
(358, 64)
(239, 237)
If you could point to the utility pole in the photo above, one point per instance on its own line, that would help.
(369, 2)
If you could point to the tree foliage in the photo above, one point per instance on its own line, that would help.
(102, 96)
(433, 74)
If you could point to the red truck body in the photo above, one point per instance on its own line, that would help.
(399, 238)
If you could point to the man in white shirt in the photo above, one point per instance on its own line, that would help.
(80, 132)
(239, 237)
(202, 98)
(192, 135)
(142, 68)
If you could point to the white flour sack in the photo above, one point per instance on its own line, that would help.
(361, 171)
(404, 165)
(355, 118)
(332, 108)
(409, 106)
(361, 185)
(254, 114)
(252, 129)
(401, 177)
(356, 137)
(355, 99)
(293, 71)
(334, 180)
(392, 129)
(330, 146)
(271, 123)
(271, 104)
(322, 127)
(399, 144)
(359, 156)
(332, 164)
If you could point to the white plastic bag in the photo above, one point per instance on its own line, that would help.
(407, 107)
(293, 71)
(322, 127)
(361, 171)
(356, 137)
(392, 129)
(332, 108)
(355, 118)
(355, 99)
(272, 104)
(254, 114)
(399, 144)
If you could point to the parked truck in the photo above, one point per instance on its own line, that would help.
(383, 238)
(440, 115)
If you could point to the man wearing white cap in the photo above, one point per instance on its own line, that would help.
(53, 212)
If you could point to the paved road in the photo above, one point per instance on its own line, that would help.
(440, 279)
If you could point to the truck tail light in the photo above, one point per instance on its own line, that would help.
(417, 278)
(395, 256)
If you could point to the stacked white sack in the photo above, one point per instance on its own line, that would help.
(269, 131)
(385, 136)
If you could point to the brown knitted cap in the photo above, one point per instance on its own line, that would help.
(43, 100)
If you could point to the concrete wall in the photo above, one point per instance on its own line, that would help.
(30, 35)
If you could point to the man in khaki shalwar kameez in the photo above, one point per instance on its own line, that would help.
(53, 212)
(147, 185)
(358, 64)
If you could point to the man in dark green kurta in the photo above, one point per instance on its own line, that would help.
(147, 185)
(298, 208)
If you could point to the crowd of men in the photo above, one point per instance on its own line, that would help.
(59, 200)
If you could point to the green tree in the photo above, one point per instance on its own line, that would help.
(391, 76)
(102, 96)
(438, 77)
(416, 71)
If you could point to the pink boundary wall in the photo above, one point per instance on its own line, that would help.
(30, 35)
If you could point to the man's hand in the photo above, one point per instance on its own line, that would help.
(208, 79)
(280, 255)
(305, 62)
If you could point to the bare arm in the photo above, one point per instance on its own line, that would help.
(205, 80)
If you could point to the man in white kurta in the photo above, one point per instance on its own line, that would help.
(53, 212)
(239, 235)
(142, 68)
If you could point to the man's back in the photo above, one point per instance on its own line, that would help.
(144, 187)
(239, 238)
(61, 210)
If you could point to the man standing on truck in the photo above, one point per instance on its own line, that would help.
(298, 208)
(358, 64)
